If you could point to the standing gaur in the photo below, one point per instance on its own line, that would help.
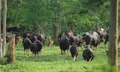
(28, 39)
(64, 43)
(31, 41)
(88, 54)
(91, 38)
(74, 51)
(68, 38)
(36, 47)
(95, 37)
(26, 44)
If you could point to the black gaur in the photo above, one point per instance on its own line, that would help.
(91, 38)
(36, 47)
(41, 38)
(75, 39)
(12, 29)
(64, 43)
(74, 51)
(26, 44)
(88, 54)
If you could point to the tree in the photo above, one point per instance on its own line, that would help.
(83, 14)
(11, 49)
(0, 30)
(113, 36)
(55, 33)
(4, 25)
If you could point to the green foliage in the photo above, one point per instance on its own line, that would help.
(3, 61)
(79, 15)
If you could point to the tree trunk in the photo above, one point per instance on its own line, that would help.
(113, 35)
(55, 34)
(11, 50)
(0, 29)
(38, 29)
(4, 26)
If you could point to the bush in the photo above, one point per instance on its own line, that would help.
(3, 60)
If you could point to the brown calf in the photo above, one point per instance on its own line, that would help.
(51, 42)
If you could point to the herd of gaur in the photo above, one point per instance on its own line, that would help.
(68, 41)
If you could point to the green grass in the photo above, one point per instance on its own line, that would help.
(50, 60)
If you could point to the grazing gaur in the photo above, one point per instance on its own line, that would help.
(64, 43)
(74, 51)
(88, 54)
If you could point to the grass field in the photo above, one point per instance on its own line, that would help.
(50, 60)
